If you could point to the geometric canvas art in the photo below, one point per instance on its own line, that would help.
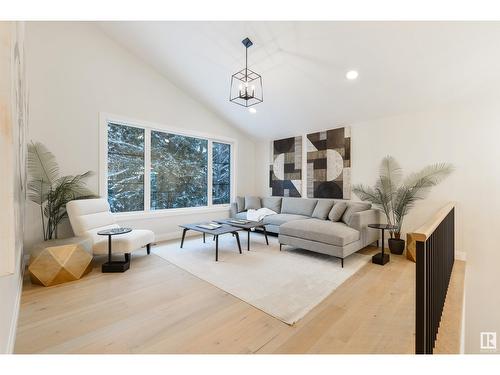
(285, 171)
(329, 164)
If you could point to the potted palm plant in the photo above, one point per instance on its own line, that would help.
(396, 195)
(50, 191)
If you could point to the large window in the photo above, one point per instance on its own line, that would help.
(179, 171)
(125, 168)
(221, 173)
(155, 170)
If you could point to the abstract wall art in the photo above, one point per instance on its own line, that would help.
(329, 164)
(285, 171)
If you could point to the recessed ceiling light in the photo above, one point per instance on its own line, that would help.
(252, 110)
(351, 74)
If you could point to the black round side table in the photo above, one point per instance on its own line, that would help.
(117, 265)
(381, 258)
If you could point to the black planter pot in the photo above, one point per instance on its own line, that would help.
(397, 246)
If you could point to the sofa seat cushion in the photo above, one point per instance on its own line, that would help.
(123, 243)
(279, 219)
(325, 231)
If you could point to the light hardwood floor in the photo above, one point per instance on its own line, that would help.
(156, 307)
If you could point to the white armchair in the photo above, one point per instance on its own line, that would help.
(89, 216)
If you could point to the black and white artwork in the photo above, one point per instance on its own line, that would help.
(329, 164)
(285, 171)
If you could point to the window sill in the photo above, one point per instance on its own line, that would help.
(144, 215)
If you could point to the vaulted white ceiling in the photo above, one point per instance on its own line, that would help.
(403, 67)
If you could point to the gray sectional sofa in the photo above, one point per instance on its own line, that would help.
(329, 226)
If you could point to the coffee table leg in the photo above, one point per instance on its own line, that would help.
(183, 235)
(238, 240)
(203, 237)
(248, 240)
(265, 234)
(216, 248)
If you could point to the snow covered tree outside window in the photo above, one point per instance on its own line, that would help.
(221, 173)
(175, 165)
(125, 168)
(179, 171)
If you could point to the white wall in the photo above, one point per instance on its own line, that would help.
(13, 115)
(77, 71)
(467, 135)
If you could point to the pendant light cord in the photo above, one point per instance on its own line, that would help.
(246, 64)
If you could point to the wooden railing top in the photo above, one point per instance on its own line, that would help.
(425, 231)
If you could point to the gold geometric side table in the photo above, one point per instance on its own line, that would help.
(58, 261)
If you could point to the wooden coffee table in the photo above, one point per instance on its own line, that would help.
(225, 228)
(248, 227)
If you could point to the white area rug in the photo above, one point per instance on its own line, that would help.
(286, 284)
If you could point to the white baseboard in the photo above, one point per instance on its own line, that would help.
(13, 325)
(460, 255)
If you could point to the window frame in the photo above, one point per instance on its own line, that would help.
(106, 118)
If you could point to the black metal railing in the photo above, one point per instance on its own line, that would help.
(435, 254)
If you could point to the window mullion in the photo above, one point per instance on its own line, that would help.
(147, 169)
(210, 172)
(232, 174)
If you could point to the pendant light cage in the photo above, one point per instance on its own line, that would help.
(246, 85)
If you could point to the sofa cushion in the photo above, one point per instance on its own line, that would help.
(337, 211)
(240, 204)
(322, 208)
(325, 231)
(252, 203)
(279, 219)
(273, 203)
(353, 207)
(298, 206)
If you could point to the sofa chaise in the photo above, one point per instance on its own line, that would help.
(329, 226)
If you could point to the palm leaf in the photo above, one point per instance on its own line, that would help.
(366, 193)
(38, 191)
(42, 164)
(416, 186)
(377, 196)
(390, 172)
(430, 175)
(43, 171)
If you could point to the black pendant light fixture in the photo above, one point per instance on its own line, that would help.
(246, 85)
